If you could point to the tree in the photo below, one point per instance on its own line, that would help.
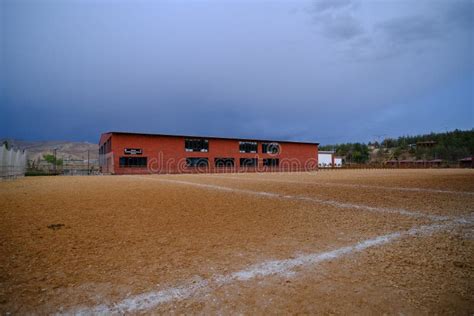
(449, 146)
(397, 152)
(52, 160)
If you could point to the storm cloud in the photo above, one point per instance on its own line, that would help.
(328, 71)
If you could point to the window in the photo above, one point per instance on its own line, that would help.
(271, 148)
(197, 162)
(196, 144)
(248, 162)
(248, 147)
(106, 147)
(271, 162)
(133, 162)
(224, 162)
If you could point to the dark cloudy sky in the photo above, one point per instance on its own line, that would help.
(328, 71)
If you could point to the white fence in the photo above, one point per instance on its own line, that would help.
(12, 162)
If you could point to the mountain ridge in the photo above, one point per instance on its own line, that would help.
(35, 150)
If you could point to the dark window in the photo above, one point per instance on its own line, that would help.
(270, 148)
(196, 144)
(107, 146)
(133, 162)
(248, 162)
(271, 162)
(248, 147)
(197, 162)
(224, 162)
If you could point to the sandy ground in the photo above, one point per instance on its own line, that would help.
(323, 242)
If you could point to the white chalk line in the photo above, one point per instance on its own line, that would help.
(337, 204)
(348, 185)
(150, 300)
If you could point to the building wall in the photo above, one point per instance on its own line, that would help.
(325, 160)
(467, 162)
(12, 162)
(167, 154)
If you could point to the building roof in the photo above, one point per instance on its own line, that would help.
(214, 137)
(326, 151)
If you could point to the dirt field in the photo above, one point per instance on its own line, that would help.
(361, 241)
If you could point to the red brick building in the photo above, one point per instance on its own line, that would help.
(136, 153)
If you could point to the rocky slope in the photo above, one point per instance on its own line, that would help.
(64, 149)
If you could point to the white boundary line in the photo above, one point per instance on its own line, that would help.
(365, 186)
(150, 300)
(337, 204)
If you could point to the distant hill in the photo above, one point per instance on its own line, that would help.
(65, 149)
(449, 146)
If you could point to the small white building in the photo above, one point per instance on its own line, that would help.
(328, 159)
(12, 162)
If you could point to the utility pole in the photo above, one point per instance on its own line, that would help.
(88, 170)
(55, 160)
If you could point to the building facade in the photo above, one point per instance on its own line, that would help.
(328, 159)
(12, 162)
(135, 153)
(467, 162)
